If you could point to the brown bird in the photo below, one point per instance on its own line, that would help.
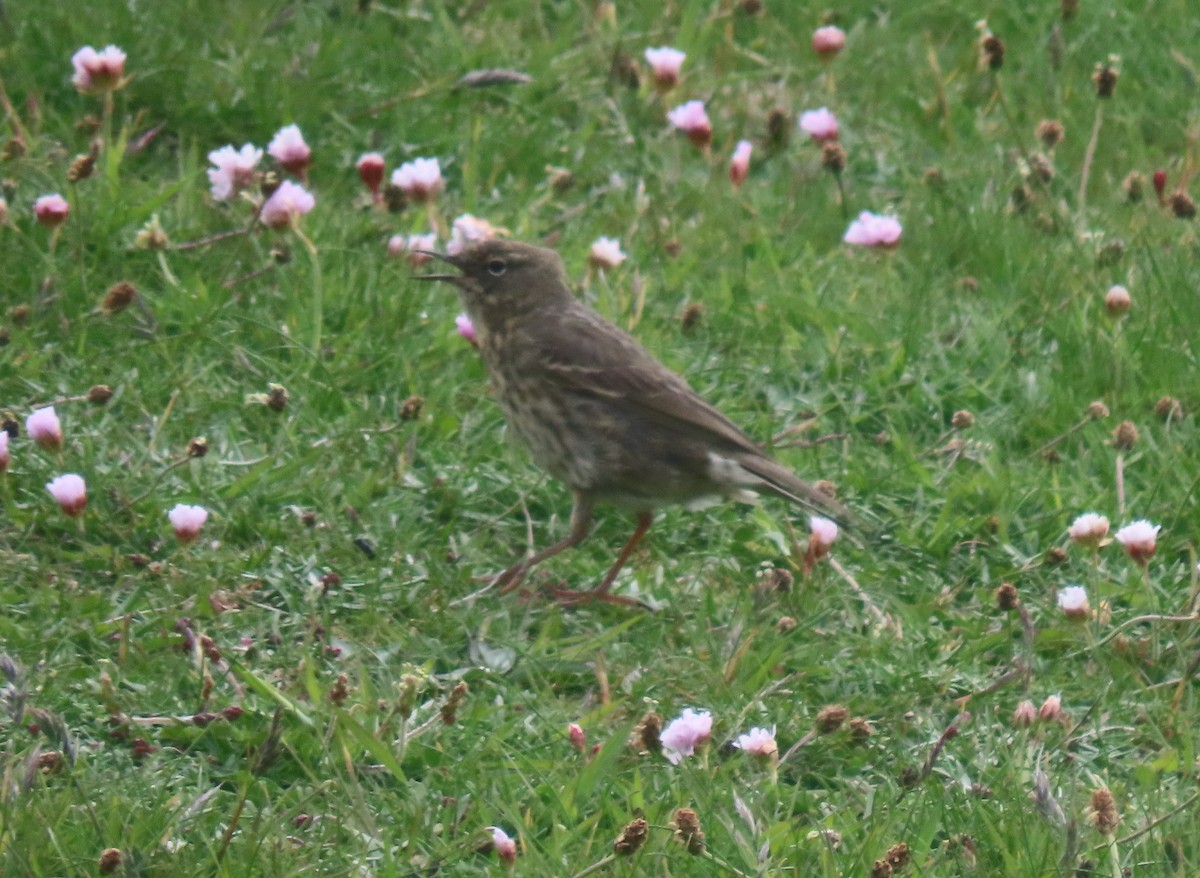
(596, 409)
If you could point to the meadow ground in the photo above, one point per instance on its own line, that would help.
(302, 690)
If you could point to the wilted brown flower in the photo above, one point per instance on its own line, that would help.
(1169, 408)
(861, 728)
(1103, 813)
(1125, 436)
(962, 420)
(1134, 187)
(1097, 410)
(633, 836)
(786, 624)
(99, 393)
(1182, 205)
(897, 856)
(691, 318)
(110, 861)
(1105, 77)
(410, 409)
(831, 718)
(646, 735)
(1050, 132)
(450, 709)
(119, 296)
(277, 397)
(197, 446)
(687, 830)
(1006, 597)
(991, 52)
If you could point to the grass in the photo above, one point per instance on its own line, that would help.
(269, 700)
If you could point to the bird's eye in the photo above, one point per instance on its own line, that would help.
(497, 267)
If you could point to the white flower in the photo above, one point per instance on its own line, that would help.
(819, 124)
(1140, 539)
(873, 230)
(43, 428)
(289, 149)
(683, 734)
(420, 179)
(664, 66)
(758, 742)
(1073, 601)
(1088, 529)
(606, 253)
(467, 229)
(70, 492)
(234, 170)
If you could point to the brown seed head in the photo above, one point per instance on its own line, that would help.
(687, 830)
(831, 718)
(341, 690)
(1182, 205)
(647, 734)
(410, 409)
(1041, 168)
(776, 579)
(897, 856)
(268, 183)
(786, 625)
(277, 397)
(1054, 556)
(1134, 187)
(151, 236)
(962, 420)
(119, 296)
(394, 198)
(1103, 813)
(20, 314)
(1105, 77)
(197, 446)
(861, 728)
(991, 52)
(81, 167)
(881, 868)
(1068, 8)
(1125, 436)
(1169, 408)
(110, 861)
(833, 157)
(51, 762)
(691, 318)
(99, 394)
(624, 71)
(1006, 597)
(778, 127)
(1050, 132)
(1097, 411)
(632, 837)
(450, 709)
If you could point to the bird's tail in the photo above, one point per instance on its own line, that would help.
(781, 481)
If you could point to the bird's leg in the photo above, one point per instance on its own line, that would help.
(600, 592)
(581, 524)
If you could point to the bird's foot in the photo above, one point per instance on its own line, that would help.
(505, 580)
(571, 598)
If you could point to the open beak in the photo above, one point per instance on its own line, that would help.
(451, 278)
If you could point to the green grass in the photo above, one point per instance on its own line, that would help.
(982, 308)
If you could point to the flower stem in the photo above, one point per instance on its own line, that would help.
(318, 293)
(1088, 156)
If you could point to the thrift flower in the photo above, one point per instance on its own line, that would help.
(758, 742)
(576, 736)
(664, 67)
(398, 245)
(1088, 529)
(70, 492)
(1051, 709)
(370, 170)
(289, 149)
(606, 253)
(872, 230)
(1139, 539)
(420, 179)
(187, 521)
(234, 170)
(286, 205)
(1024, 715)
(4, 457)
(1117, 300)
(97, 72)
(820, 125)
(824, 532)
(466, 229)
(739, 164)
(1073, 601)
(682, 735)
(506, 847)
(828, 41)
(43, 428)
(466, 329)
(51, 210)
(692, 120)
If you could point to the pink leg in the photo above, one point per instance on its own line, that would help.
(581, 523)
(600, 592)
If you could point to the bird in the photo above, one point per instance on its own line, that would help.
(598, 411)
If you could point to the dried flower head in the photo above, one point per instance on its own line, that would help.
(991, 52)
(151, 236)
(786, 624)
(692, 317)
(897, 856)
(1168, 408)
(410, 409)
(1182, 205)
(833, 157)
(633, 836)
(1097, 410)
(1105, 77)
(1050, 132)
(962, 420)
(1055, 555)
(831, 718)
(686, 824)
(860, 728)
(277, 397)
(1134, 187)
(647, 735)
(119, 296)
(99, 394)
(1103, 813)
(1125, 436)
(110, 861)
(197, 446)
(1006, 597)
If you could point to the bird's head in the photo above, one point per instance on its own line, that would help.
(499, 277)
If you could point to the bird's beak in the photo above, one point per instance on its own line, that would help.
(450, 278)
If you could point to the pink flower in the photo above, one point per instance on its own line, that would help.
(51, 210)
(1117, 300)
(4, 458)
(1073, 601)
(683, 734)
(692, 120)
(466, 329)
(820, 125)
(98, 71)
(1024, 715)
(187, 521)
(739, 164)
(399, 245)
(1088, 529)
(664, 67)
(1051, 708)
(606, 253)
(234, 170)
(872, 230)
(286, 205)
(467, 229)
(758, 742)
(1140, 540)
(828, 41)
(43, 428)
(824, 532)
(70, 492)
(370, 171)
(576, 736)
(420, 179)
(289, 149)
(506, 847)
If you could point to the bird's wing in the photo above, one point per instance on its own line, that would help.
(594, 357)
